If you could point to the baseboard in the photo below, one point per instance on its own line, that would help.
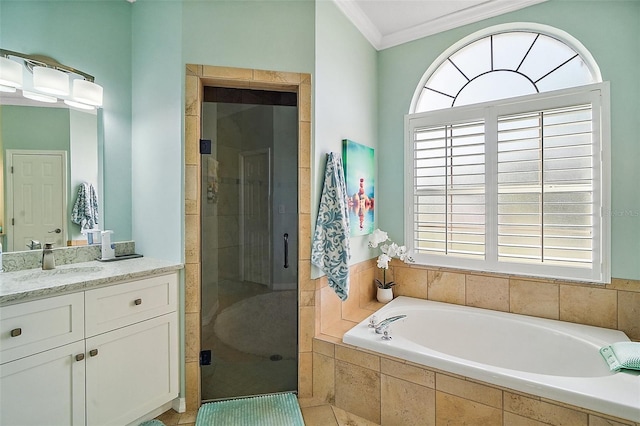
(179, 405)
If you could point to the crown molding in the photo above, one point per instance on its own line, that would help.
(488, 9)
(361, 21)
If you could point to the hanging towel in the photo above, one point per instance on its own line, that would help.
(85, 209)
(330, 247)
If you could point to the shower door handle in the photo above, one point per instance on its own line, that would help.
(286, 250)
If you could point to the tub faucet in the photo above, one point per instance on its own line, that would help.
(385, 323)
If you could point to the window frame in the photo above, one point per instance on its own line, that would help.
(597, 94)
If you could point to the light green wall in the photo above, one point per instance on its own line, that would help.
(610, 30)
(345, 101)
(95, 37)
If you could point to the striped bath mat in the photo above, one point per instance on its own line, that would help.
(267, 410)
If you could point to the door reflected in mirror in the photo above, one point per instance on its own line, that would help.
(53, 150)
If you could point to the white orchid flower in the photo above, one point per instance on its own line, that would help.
(378, 236)
(383, 261)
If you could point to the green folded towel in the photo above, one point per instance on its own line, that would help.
(622, 355)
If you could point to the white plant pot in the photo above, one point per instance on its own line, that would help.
(384, 295)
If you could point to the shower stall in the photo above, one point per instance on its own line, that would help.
(249, 243)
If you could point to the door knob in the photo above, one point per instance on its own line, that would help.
(57, 231)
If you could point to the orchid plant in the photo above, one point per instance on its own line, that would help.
(389, 250)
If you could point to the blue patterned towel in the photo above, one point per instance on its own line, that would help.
(85, 210)
(330, 248)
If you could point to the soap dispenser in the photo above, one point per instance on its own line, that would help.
(48, 261)
(108, 249)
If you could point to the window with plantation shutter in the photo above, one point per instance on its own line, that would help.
(516, 186)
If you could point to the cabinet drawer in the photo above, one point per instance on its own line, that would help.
(120, 305)
(39, 325)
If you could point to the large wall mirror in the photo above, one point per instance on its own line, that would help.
(64, 143)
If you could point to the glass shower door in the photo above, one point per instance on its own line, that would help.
(249, 202)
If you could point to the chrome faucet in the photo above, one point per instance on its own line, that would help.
(382, 325)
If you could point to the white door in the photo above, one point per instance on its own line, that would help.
(44, 389)
(255, 216)
(36, 204)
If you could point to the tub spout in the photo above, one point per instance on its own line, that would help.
(385, 323)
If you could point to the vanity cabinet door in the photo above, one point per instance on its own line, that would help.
(47, 388)
(131, 370)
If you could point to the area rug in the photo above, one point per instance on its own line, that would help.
(263, 325)
(267, 410)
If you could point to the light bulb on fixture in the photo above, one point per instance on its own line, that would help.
(10, 73)
(51, 81)
(39, 97)
(87, 92)
(79, 105)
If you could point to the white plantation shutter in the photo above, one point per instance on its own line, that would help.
(449, 189)
(516, 186)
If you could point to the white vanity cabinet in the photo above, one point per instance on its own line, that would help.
(116, 360)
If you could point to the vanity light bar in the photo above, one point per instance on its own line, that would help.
(51, 78)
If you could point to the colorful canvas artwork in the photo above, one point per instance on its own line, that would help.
(360, 169)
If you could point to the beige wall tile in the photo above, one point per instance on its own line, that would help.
(469, 390)
(321, 415)
(601, 421)
(406, 403)
(511, 419)
(453, 410)
(589, 305)
(360, 358)
(330, 308)
(345, 418)
(407, 372)
(351, 306)
(446, 287)
(412, 282)
(543, 411)
(191, 179)
(191, 139)
(304, 237)
(304, 104)
(324, 348)
(305, 375)
(192, 385)
(192, 238)
(323, 378)
(358, 390)
(536, 298)
(367, 286)
(304, 191)
(629, 314)
(192, 287)
(306, 328)
(488, 292)
(307, 298)
(227, 72)
(192, 337)
(304, 156)
(192, 89)
(625, 284)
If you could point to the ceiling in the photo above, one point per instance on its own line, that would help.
(388, 23)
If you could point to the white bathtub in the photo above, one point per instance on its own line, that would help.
(553, 359)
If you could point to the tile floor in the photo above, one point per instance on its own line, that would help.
(315, 413)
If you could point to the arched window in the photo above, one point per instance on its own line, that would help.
(503, 62)
(507, 157)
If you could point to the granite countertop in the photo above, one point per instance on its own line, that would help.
(20, 286)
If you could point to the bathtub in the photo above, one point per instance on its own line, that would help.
(552, 359)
